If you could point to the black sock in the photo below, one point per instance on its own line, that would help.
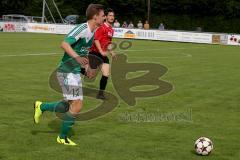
(103, 83)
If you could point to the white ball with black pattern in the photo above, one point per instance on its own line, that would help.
(203, 146)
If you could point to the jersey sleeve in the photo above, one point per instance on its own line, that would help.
(99, 33)
(77, 33)
(113, 32)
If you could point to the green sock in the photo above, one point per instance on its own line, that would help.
(68, 121)
(60, 107)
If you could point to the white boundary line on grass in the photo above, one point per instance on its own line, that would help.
(182, 55)
(120, 51)
(159, 49)
(25, 55)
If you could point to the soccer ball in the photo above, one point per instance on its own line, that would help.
(203, 146)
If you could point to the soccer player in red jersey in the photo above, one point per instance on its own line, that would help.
(102, 41)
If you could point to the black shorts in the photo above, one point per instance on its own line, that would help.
(96, 59)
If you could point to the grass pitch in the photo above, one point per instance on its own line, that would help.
(206, 88)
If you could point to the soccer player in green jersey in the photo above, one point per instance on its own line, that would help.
(75, 45)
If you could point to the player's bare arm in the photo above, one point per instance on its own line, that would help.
(98, 45)
(68, 49)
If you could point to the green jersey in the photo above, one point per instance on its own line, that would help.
(80, 39)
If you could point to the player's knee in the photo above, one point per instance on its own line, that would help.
(106, 74)
(106, 71)
(76, 106)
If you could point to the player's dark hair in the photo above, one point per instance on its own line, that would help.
(108, 10)
(93, 9)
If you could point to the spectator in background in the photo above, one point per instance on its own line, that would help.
(130, 25)
(124, 25)
(146, 25)
(161, 27)
(199, 29)
(140, 25)
(116, 24)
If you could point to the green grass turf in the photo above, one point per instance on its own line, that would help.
(205, 79)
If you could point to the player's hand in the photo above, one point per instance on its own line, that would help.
(82, 60)
(103, 53)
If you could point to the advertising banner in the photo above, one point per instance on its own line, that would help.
(41, 28)
(1, 26)
(9, 27)
(216, 39)
(233, 39)
(175, 36)
(63, 29)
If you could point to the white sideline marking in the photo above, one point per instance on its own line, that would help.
(182, 55)
(141, 57)
(159, 49)
(121, 51)
(24, 55)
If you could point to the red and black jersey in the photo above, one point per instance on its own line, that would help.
(104, 34)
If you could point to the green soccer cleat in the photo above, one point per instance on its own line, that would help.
(65, 141)
(37, 111)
